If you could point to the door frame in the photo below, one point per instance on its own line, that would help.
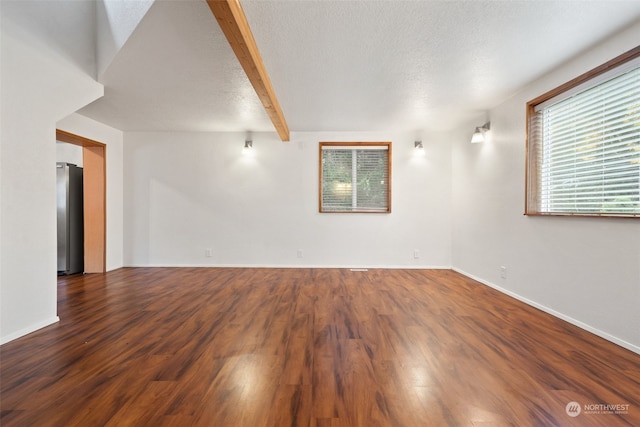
(95, 199)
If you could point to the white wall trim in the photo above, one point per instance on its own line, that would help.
(28, 330)
(555, 313)
(370, 267)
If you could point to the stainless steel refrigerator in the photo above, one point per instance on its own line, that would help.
(70, 219)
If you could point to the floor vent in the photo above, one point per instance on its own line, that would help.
(359, 269)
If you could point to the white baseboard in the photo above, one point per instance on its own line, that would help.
(372, 267)
(28, 330)
(555, 313)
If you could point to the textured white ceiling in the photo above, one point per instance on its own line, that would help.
(177, 73)
(346, 65)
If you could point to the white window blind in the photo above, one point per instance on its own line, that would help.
(355, 177)
(585, 150)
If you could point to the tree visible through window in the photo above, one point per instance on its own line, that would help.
(355, 177)
(584, 146)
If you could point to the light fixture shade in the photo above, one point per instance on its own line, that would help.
(479, 133)
(247, 150)
(478, 136)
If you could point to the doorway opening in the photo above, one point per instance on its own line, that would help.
(94, 199)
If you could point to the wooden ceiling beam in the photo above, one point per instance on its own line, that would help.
(235, 27)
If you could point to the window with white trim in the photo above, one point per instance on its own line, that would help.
(355, 177)
(583, 144)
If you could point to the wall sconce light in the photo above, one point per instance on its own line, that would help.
(248, 147)
(479, 133)
(418, 149)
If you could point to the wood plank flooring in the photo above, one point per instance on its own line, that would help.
(308, 347)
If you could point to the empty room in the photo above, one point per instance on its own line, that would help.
(320, 213)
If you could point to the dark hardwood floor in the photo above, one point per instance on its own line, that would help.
(308, 347)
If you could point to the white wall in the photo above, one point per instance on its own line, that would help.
(585, 270)
(112, 138)
(115, 22)
(68, 153)
(44, 77)
(186, 192)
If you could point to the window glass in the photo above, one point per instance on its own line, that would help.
(355, 177)
(584, 148)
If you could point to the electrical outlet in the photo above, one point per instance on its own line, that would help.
(416, 253)
(503, 272)
(300, 253)
(208, 252)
